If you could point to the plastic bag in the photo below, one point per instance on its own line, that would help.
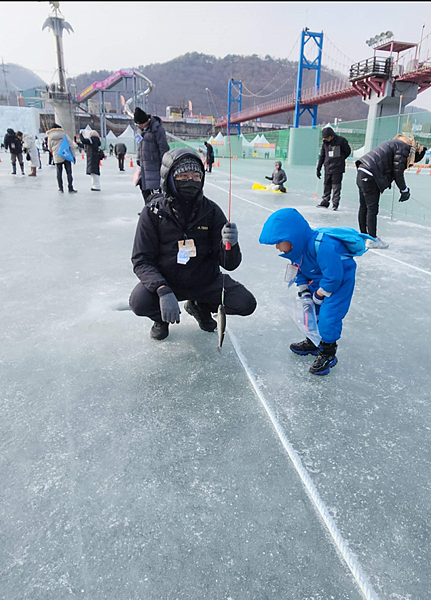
(303, 314)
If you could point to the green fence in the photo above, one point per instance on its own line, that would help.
(417, 124)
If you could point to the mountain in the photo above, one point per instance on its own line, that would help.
(203, 80)
(14, 78)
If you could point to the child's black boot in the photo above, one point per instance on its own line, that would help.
(305, 347)
(325, 360)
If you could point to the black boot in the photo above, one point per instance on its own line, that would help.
(159, 331)
(305, 347)
(323, 204)
(202, 315)
(325, 360)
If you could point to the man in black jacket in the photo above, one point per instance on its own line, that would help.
(376, 171)
(180, 243)
(210, 157)
(14, 144)
(335, 150)
(152, 144)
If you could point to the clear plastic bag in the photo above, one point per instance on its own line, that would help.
(303, 314)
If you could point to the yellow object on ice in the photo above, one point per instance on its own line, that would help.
(258, 186)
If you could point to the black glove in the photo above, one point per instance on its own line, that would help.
(27, 156)
(229, 234)
(318, 174)
(269, 178)
(404, 196)
(304, 293)
(169, 307)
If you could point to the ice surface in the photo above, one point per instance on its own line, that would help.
(134, 469)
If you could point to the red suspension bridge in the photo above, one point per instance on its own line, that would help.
(364, 78)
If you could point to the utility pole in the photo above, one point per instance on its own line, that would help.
(5, 81)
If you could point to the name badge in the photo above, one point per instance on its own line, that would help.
(138, 138)
(183, 257)
(187, 246)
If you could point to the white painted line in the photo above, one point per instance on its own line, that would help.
(244, 199)
(401, 262)
(340, 543)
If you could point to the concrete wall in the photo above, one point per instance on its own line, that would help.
(303, 146)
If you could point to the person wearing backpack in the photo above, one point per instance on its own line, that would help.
(55, 138)
(95, 154)
(324, 272)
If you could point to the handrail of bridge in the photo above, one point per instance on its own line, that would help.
(308, 96)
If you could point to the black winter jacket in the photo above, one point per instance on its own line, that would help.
(13, 143)
(333, 155)
(161, 226)
(92, 146)
(387, 162)
(150, 154)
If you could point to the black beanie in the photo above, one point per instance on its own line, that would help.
(188, 163)
(327, 131)
(140, 116)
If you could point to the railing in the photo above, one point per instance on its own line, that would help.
(372, 67)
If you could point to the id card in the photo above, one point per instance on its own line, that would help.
(188, 246)
(183, 257)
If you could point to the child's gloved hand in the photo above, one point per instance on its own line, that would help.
(318, 299)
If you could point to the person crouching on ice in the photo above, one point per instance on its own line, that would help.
(278, 178)
(180, 244)
(325, 273)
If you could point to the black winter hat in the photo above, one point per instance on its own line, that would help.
(140, 116)
(327, 131)
(188, 163)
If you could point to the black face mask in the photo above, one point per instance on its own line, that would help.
(188, 189)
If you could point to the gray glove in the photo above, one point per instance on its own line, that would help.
(229, 234)
(169, 307)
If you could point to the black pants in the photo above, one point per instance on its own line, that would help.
(332, 183)
(209, 167)
(237, 299)
(369, 196)
(120, 158)
(68, 168)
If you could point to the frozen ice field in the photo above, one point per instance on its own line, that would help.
(140, 470)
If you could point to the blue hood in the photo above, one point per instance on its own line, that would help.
(287, 225)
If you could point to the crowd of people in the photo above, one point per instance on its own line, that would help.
(183, 238)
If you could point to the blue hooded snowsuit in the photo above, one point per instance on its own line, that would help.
(328, 268)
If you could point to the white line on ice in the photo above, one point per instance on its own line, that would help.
(340, 543)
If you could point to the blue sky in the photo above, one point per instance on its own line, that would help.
(116, 35)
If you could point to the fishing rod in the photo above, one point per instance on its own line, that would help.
(221, 312)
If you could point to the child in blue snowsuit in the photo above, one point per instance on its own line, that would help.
(325, 273)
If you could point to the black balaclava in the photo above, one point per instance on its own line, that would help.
(186, 192)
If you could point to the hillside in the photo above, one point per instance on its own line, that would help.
(187, 78)
(14, 78)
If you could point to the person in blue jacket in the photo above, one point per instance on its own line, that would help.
(324, 273)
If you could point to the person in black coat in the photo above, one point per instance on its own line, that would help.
(94, 154)
(210, 156)
(120, 150)
(179, 246)
(152, 146)
(13, 143)
(335, 150)
(376, 171)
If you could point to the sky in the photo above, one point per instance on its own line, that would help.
(115, 35)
